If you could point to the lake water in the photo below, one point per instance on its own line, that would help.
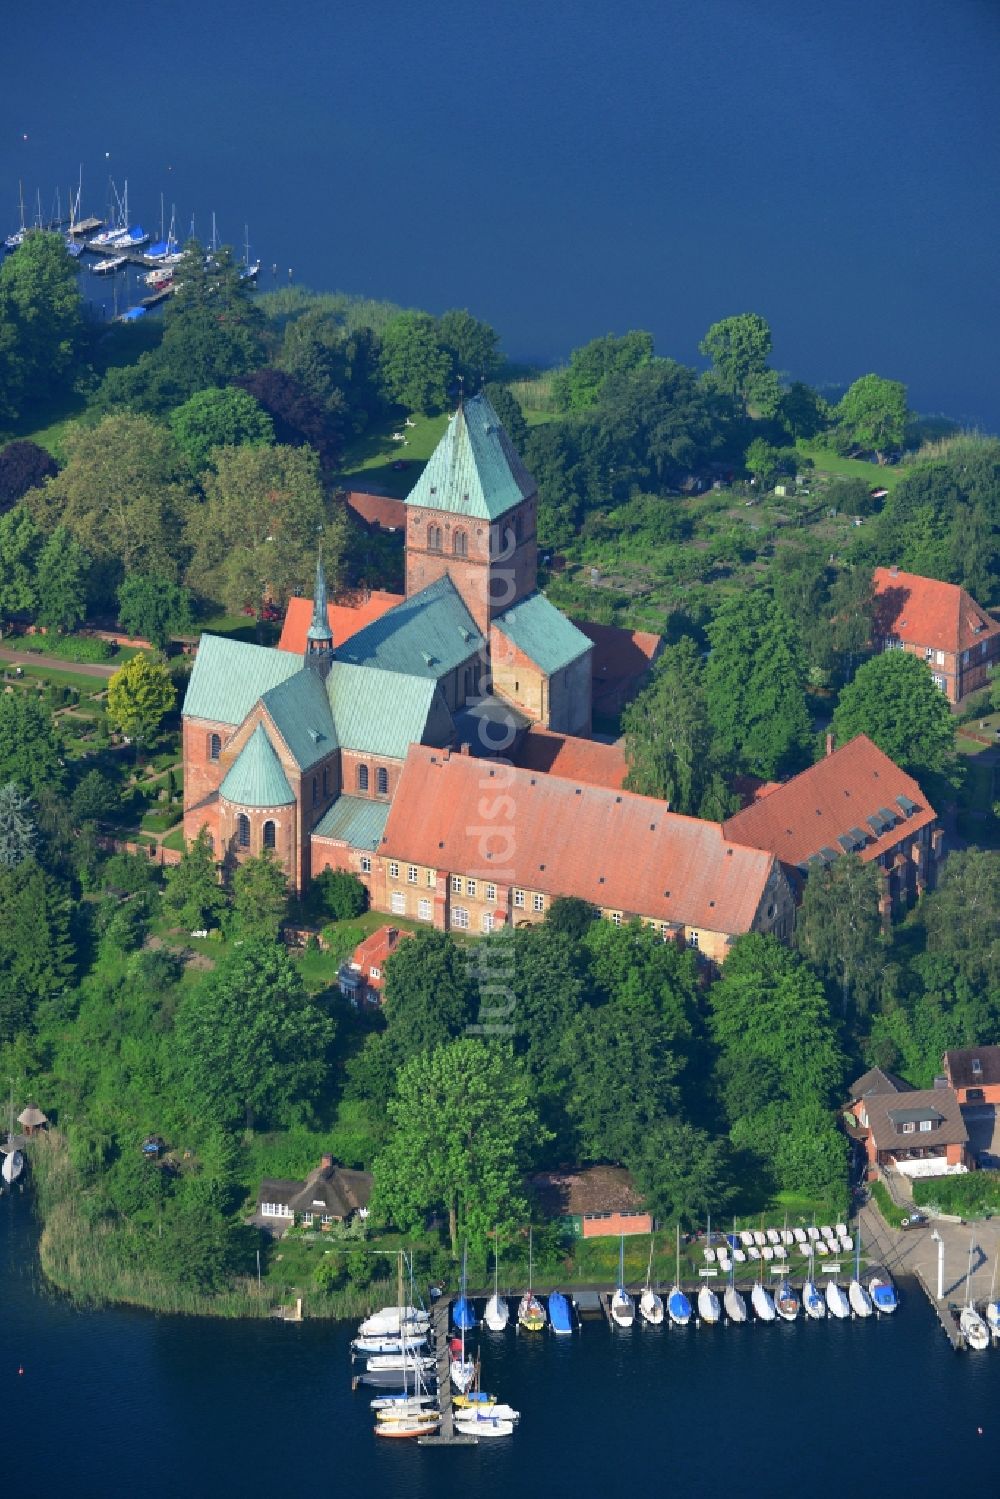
(121, 1403)
(560, 169)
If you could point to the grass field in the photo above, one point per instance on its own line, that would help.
(368, 463)
(886, 476)
(87, 686)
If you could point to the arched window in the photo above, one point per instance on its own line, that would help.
(243, 830)
(315, 790)
(362, 777)
(460, 544)
(434, 538)
(269, 834)
(382, 781)
(214, 746)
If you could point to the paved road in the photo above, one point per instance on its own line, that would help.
(34, 658)
(904, 1253)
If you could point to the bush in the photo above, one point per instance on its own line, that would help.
(892, 1214)
(975, 1195)
(336, 893)
(84, 648)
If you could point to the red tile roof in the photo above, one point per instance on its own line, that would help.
(584, 760)
(377, 510)
(815, 809)
(924, 612)
(347, 616)
(618, 850)
(374, 950)
(620, 656)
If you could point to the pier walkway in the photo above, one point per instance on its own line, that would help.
(446, 1435)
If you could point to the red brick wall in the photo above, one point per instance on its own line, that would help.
(489, 584)
(616, 1224)
(990, 1093)
(202, 775)
(352, 759)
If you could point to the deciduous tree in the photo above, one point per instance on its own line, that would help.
(140, 695)
(193, 895)
(754, 684)
(839, 929)
(24, 465)
(894, 701)
(872, 415)
(154, 608)
(739, 348)
(30, 749)
(260, 896)
(219, 419)
(61, 580)
(41, 322)
(415, 367)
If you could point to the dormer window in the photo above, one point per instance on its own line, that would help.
(909, 1128)
(977, 1067)
(926, 1126)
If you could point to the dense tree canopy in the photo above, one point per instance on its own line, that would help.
(894, 701)
(579, 387)
(140, 695)
(154, 608)
(41, 322)
(872, 415)
(838, 928)
(739, 348)
(219, 419)
(754, 682)
(668, 737)
(23, 466)
(416, 369)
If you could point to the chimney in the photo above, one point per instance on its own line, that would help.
(894, 571)
(466, 748)
(829, 743)
(326, 1162)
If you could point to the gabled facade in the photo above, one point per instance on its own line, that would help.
(940, 623)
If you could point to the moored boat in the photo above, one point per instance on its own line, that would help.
(786, 1303)
(373, 1347)
(734, 1304)
(385, 1363)
(13, 1165)
(487, 1405)
(560, 1314)
(622, 1309)
(110, 265)
(763, 1306)
(474, 1424)
(497, 1313)
(709, 1308)
(391, 1320)
(973, 1328)
(861, 1304)
(650, 1304)
(883, 1294)
(678, 1306)
(813, 1302)
(837, 1303)
(530, 1312)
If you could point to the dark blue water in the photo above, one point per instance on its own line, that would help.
(561, 169)
(122, 1403)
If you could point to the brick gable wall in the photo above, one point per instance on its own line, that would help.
(494, 572)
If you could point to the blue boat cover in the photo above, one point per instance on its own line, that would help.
(678, 1304)
(559, 1312)
(465, 1316)
(884, 1296)
(132, 314)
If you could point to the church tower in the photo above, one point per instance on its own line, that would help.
(319, 640)
(472, 516)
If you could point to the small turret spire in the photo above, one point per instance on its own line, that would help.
(319, 640)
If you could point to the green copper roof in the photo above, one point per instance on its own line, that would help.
(474, 470)
(229, 677)
(544, 635)
(354, 820)
(256, 779)
(384, 712)
(301, 713)
(426, 636)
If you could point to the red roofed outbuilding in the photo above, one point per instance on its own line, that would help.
(855, 800)
(940, 623)
(362, 980)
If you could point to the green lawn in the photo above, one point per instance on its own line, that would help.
(89, 686)
(368, 463)
(852, 468)
(175, 841)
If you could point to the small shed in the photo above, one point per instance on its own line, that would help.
(32, 1120)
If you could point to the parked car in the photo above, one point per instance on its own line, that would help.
(915, 1220)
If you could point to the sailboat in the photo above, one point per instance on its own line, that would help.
(812, 1301)
(861, 1302)
(249, 270)
(972, 1327)
(13, 240)
(474, 1423)
(129, 236)
(497, 1313)
(678, 1306)
(993, 1306)
(560, 1314)
(463, 1370)
(530, 1312)
(622, 1310)
(836, 1301)
(733, 1302)
(786, 1303)
(13, 1165)
(166, 247)
(487, 1405)
(760, 1300)
(650, 1304)
(406, 1415)
(74, 245)
(392, 1321)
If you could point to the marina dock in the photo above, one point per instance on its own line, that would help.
(446, 1435)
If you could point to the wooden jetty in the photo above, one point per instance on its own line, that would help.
(85, 226)
(446, 1435)
(946, 1317)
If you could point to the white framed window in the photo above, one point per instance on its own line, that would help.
(519, 898)
(376, 973)
(456, 884)
(909, 1128)
(411, 874)
(431, 878)
(398, 902)
(694, 940)
(424, 910)
(925, 1126)
(616, 917)
(491, 892)
(393, 870)
(366, 864)
(538, 902)
(939, 680)
(939, 658)
(470, 887)
(460, 918)
(488, 921)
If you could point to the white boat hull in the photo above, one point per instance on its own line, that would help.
(861, 1302)
(974, 1329)
(837, 1303)
(622, 1309)
(388, 1322)
(463, 1372)
(735, 1305)
(497, 1314)
(709, 1309)
(813, 1302)
(651, 1308)
(13, 1165)
(763, 1306)
(483, 1426)
(495, 1409)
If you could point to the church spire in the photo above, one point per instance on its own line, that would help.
(319, 641)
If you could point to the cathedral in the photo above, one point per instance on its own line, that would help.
(384, 752)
